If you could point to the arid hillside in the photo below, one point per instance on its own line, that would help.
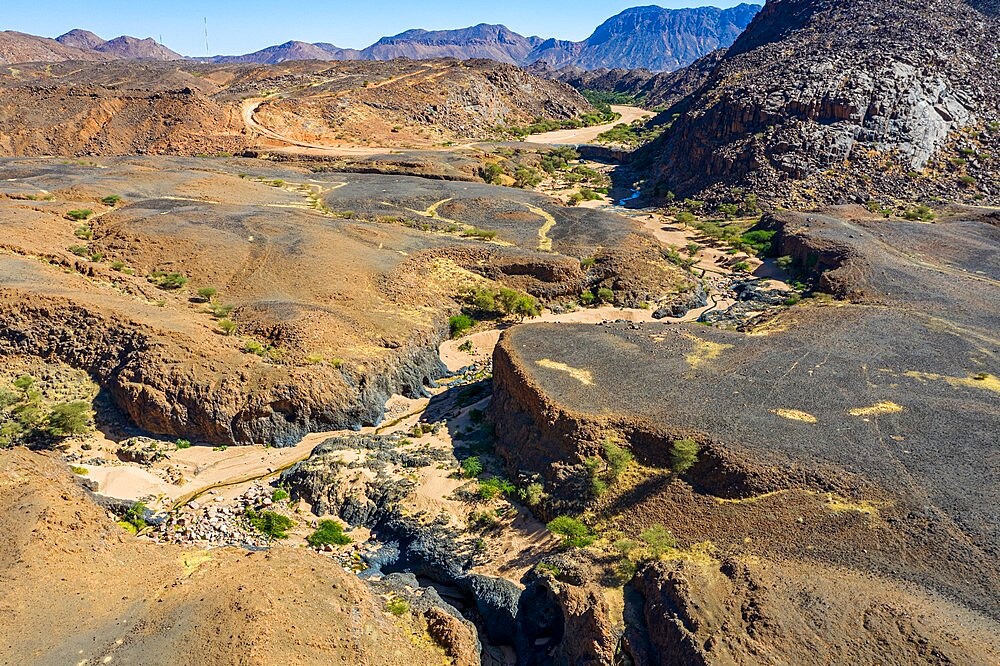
(132, 107)
(122, 600)
(856, 101)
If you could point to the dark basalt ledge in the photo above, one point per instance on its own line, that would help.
(887, 396)
(537, 435)
(169, 387)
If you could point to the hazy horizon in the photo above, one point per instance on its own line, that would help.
(256, 25)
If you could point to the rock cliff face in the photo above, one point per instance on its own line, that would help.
(746, 612)
(876, 98)
(651, 90)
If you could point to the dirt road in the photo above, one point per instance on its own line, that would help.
(576, 137)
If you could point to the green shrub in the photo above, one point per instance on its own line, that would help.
(475, 232)
(741, 267)
(207, 293)
(227, 326)
(280, 495)
(571, 531)
(920, 213)
(605, 295)
(968, 181)
(728, 211)
(84, 232)
(182, 444)
(760, 241)
(167, 281)
(785, 262)
(472, 467)
(494, 487)
(466, 347)
(220, 311)
(80, 250)
(269, 523)
(118, 266)
(587, 297)
(79, 214)
(459, 324)
(398, 607)
(683, 455)
(658, 540)
(618, 459)
(135, 517)
(532, 494)
(329, 533)
(111, 200)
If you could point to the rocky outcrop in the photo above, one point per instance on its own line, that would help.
(494, 42)
(166, 387)
(866, 99)
(132, 601)
(746, 612)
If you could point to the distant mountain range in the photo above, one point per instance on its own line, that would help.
(650, 38)
(79, 45)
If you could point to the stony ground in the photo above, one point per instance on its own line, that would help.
(850, 432)
(128, 601)
(339, 282)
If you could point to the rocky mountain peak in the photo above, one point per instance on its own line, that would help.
(81, 39)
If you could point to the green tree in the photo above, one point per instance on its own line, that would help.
(207, 293)
(69, 419)
(493, 173)
(484, 300)
(571, 531)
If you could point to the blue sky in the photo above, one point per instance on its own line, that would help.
(242, 27)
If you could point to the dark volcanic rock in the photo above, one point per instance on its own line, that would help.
(870, 98)
(891, 395)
